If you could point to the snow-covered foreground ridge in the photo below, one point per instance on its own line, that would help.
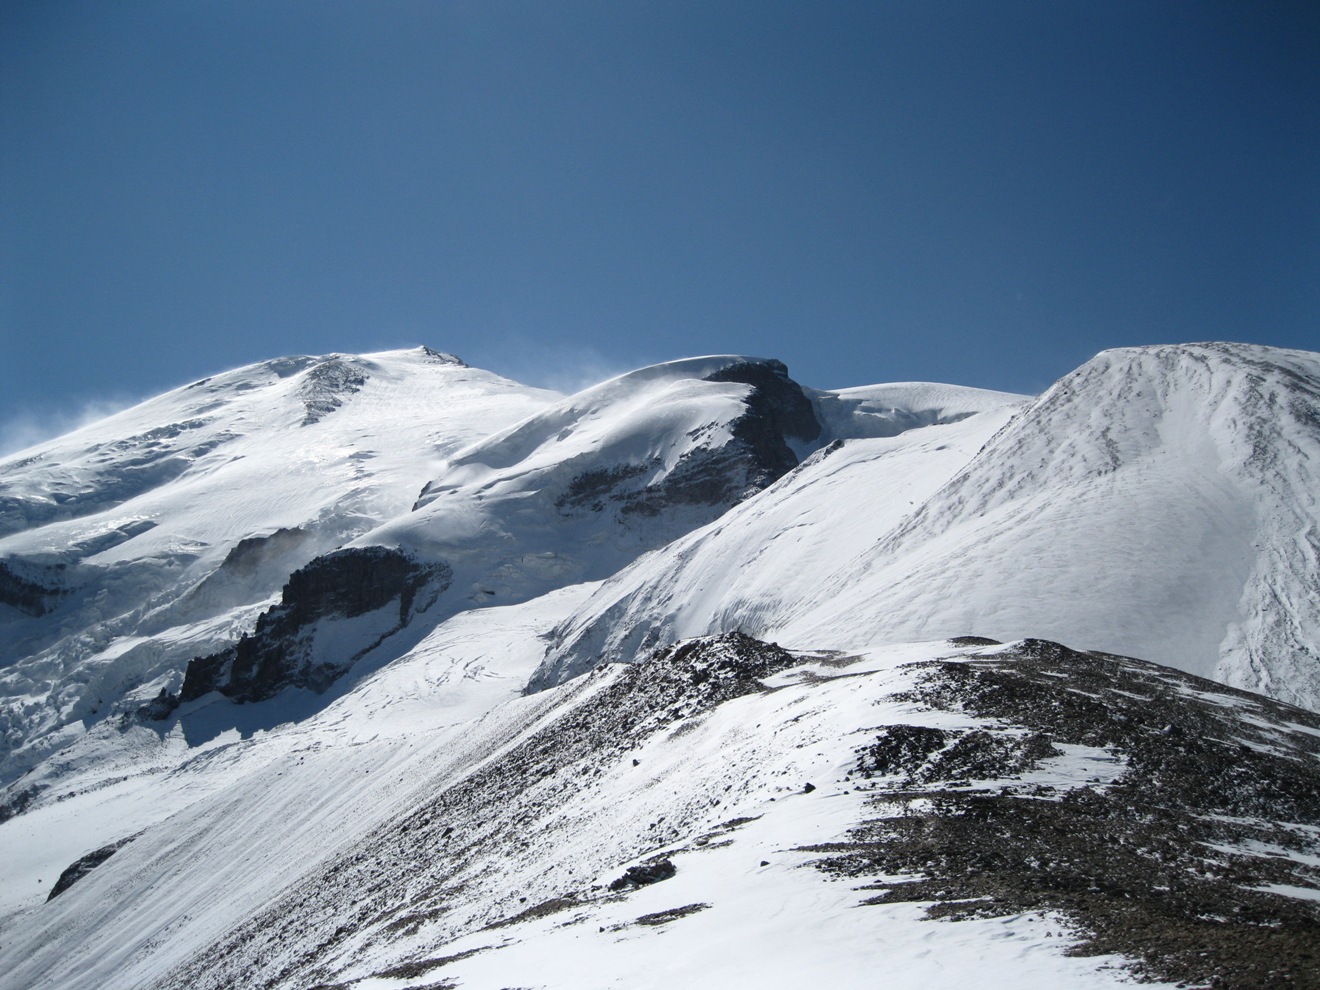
(266, 643)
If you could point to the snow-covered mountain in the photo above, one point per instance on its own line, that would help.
(380, 671)
(570, 494)
(160, 533)
(1158, 502)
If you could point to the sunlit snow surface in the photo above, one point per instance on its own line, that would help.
(1158, 502)
(140, 512)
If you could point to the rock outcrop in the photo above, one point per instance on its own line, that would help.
(381, 587)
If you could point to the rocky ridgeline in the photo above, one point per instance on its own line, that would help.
(1200, 862)
(422, 867)
(1191, 851)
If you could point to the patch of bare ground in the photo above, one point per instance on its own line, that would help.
(1198, 863)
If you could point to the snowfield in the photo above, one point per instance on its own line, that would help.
(159, 533)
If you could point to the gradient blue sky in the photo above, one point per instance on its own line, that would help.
(978, 192)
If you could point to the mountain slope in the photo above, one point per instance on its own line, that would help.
(569, 494)
(161, 532)
(1159, 502)
(725, 812)
(350, 788)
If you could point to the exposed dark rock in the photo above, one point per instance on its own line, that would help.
(443, 357)
(343, 584)
(900, 749)
(776, 409)
(644, 874)
(973, 641)
(672, 914)
(17, 801)
(756, 457)
(593, 489)
(355, 581)
(327, 386)
(160, 707)
(84, 865)
(553, 905)
(30, 589)
(1182, 863)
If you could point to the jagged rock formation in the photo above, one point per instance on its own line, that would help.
(282, 651)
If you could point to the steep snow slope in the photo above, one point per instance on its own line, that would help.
(1159, 502)
(753, 566)
(157, 534)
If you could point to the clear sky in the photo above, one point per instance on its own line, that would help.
(985, 193)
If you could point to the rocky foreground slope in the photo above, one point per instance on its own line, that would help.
(959, 811)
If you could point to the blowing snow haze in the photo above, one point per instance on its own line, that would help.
(384, 671)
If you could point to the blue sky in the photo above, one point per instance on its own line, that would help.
(977, 192)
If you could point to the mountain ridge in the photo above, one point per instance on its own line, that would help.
(1164, 521)
(418, 674)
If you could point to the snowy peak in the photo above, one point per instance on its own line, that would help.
(1158, 502)
(619, 468)
(569, 494)
(633, 420)
(161, 533)
(1229, 400)
(1185, 475)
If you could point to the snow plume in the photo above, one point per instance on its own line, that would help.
(561, 369)
(29, 427)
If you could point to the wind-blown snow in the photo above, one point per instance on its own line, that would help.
(1158, 502)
